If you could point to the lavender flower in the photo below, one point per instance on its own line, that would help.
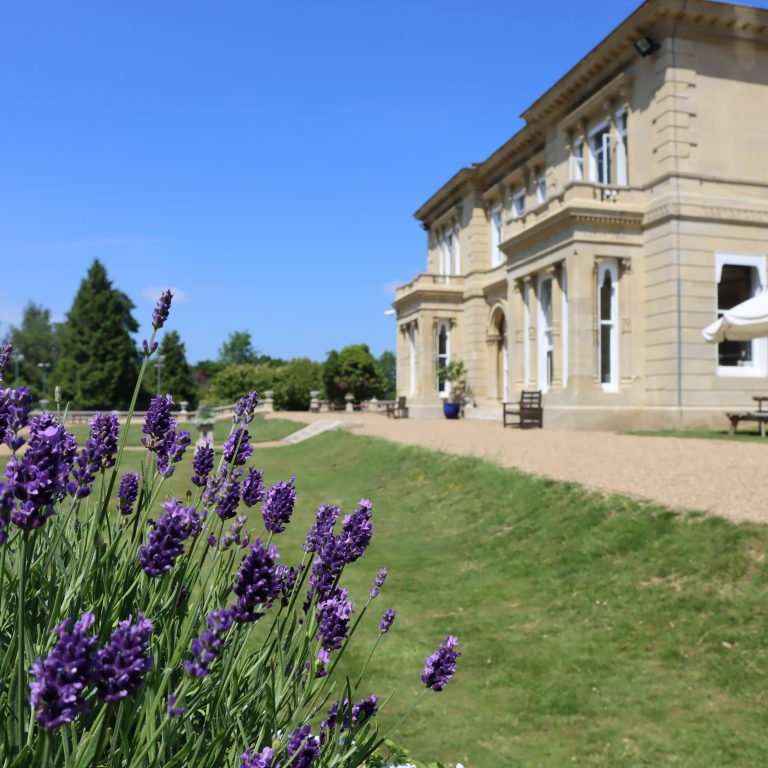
(257, 583)
(322, 530)
(202, 464)
(14, 415)
(149, 351)
(162, 308)
(158, 423)
(60, 680)
(6, 505)
(378, 582)
(253, 487)
(172, 709)
(161, 437)
(237, 448)
(333, 617)
(440, 667)
(98, 455)
(226, 493)
(357, 530)
(387, 620)
(127, 492)
(40, 477)
(124, 659)
(207, 646)
(263, 759)
(286, 580)
(278, 507)
(5, 356)
(166, 541)
(245, 408)
(357, 715)
(303, 748)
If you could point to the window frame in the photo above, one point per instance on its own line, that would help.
(759, 346)
(577, 160)
(497, 234)
(541, 189)
(443, 388)
(610, 266)
(604, 128)
(518, 196)
(545, 343)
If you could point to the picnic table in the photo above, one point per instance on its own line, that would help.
(760, 416)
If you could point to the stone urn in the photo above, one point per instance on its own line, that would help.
(349, 398)
(204, 422)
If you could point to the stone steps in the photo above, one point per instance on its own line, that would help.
(312, 430)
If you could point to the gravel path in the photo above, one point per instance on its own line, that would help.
(721, 477)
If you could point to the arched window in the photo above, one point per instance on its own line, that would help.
(608, 336)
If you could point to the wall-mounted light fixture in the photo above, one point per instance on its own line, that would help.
(645, 46)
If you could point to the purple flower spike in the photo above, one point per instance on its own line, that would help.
(5, 356)
(278, 507)
(127, 492)
(303, 748)
(357, 530)
(14, 415)
(245, 409)
(149, 351)
(158, 423)
(172, 709)
(257, 583)
(40, 477)
(162, 308)
(202, 464)
(333, 617)
(387, 620)
(60, 680)
(166, 541)
(440, 667)
(124, 660)
(253, 487)
(237, 448)
(98, 455)
(208, 645)
(263, 759)
(378, 582)
(322, 530)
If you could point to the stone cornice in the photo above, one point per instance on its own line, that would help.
(693, 211)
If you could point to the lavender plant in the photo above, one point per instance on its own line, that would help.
(137, 629)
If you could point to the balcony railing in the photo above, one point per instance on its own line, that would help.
(431, 282)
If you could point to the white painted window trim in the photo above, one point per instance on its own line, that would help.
(541, 188)
(577, 161)
(497, 233)
(519, 195)
(759, 346)
(541, 336)
(564, 323)
(612, 266)
(622, 159)
(446, 324)
(456, 251)
(526, 335)
(601, 126)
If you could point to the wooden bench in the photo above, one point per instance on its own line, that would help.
(761, 417)
(397, 410)
(526, 413)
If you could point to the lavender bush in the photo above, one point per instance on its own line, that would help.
(142, 630)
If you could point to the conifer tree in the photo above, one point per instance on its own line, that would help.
(98, 362)
(176, 373)
(35, 342)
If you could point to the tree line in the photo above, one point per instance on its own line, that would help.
(94, 358)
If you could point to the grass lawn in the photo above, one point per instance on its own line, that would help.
(594, 631)
(262, 430)
(707, 434)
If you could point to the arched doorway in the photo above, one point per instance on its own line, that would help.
(498, 347)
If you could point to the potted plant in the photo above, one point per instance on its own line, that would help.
(455, 374)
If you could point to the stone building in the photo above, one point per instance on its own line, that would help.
(585, 255)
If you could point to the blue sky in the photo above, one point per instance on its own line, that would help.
(262, 159)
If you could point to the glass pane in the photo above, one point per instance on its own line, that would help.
(736, 285)
(606, 289)
(546, 303)
(442, 342)
(605, 354)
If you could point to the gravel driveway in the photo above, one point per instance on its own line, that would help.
(722, 477)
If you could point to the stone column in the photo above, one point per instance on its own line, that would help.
(624, 289)
(515, 332)
(533, 304)
(557, 321)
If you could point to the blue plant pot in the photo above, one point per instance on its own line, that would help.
(451, 410)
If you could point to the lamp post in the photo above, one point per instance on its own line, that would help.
(17, 358)
(43, 368)
(159, 365)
